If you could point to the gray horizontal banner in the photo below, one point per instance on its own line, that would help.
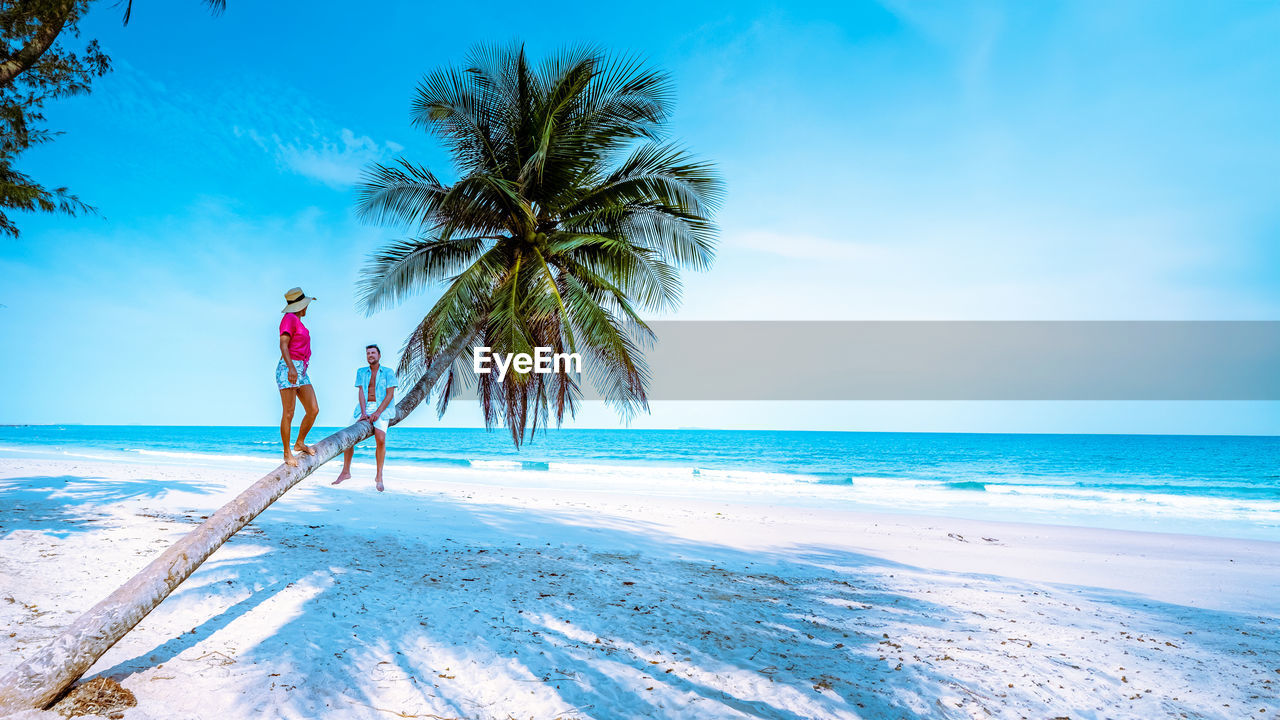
(971, 360)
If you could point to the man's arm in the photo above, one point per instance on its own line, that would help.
(360, 391)
(386, 400)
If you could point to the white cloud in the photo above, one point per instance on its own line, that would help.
(336, 162)
(280, 121)
(797, 247)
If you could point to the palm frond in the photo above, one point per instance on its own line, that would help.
(406, 267)
(408, 196)
(454, 106)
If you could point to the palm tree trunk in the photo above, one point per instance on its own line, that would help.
(40, 680)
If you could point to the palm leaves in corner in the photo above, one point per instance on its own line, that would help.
(570, 216)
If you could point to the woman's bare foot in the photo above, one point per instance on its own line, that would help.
(377, 482)
(301, 448)
(344, 475)
(289, 459)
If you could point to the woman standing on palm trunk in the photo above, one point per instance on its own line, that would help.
(291, 375)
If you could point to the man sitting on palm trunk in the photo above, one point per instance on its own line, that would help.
(375, 389)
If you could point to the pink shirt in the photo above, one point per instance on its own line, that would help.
(299, 338)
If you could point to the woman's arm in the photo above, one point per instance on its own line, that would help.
(288, 361)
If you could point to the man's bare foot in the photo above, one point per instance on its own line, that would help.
(308, 449)
(344, 475)
(289, 459)
(377, 482)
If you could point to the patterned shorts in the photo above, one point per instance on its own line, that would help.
(282, 375)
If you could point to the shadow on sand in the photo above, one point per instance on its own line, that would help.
(609, 622)
(64, 504)
(448, 608)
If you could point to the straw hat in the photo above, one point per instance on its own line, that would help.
(296, 300)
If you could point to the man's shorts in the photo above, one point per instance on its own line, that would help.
(384, 420)
(282, 375)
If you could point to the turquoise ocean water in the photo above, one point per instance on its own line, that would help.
(1215, 485)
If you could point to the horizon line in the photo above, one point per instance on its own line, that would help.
(679, 429)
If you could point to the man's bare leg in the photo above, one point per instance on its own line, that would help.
(287, 397)
(382, 455)
(346, 465)
(307, 395)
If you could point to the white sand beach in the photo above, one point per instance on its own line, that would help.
(450, 598)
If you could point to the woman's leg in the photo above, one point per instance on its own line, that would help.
(287, 397)
(307, 395)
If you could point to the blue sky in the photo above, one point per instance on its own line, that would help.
(883, 161)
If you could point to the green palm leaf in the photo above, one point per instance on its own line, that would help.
(570, 216)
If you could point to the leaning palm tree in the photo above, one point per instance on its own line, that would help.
(570, 215)
(45, 676)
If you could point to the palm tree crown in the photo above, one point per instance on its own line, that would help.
(570, 215)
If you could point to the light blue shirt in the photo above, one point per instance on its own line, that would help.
(386, 379)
